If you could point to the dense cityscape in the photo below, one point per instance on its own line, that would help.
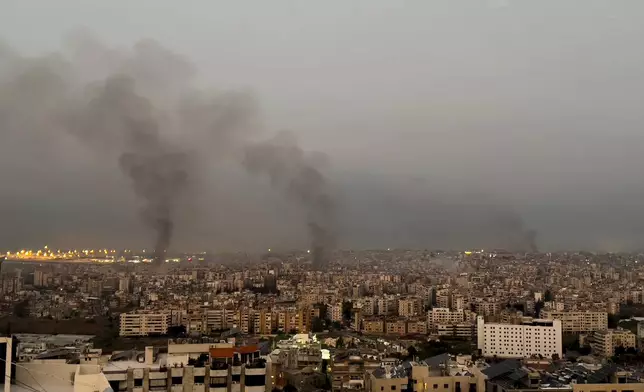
(321, 196)
(373, 319)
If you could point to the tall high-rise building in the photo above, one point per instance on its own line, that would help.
(124, 285)
(39, 278)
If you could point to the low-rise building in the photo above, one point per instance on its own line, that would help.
(396, 326)
(373, 326)
(604, 343)
(351, 369)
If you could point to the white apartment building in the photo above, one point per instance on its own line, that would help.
(534, 337)
(578, 322)
(144, 324)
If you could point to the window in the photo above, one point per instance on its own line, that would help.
(393, 387)
(177, 380)
(138, 382)
(200, 379)
(446, 386)
(435, 386)
(255, 380)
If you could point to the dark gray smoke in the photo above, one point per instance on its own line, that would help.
(158, 170)
(511, 226)
(294, 172)
(138, 108)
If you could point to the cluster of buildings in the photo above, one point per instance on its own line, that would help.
(300, 362)
(511, 307)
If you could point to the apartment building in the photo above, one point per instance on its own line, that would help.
(334, 312)
(604, 343)
(416, 326)
(578, 322)
(435, 374)
(373, 326)
(487, 308)
(460, 330)
(220, 319)
(387, 306)
(206, 373)
(444, 316)
(432, 375)
(532, 337)
(396, 326)
(263, 322)
(144, 324)
(369, 305)
(409, 307)
(351, 369)
(443, 298)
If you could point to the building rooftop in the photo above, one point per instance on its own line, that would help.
(399, 371)
(20, 388)
(511, 374)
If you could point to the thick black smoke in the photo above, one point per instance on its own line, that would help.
(158, 170)
(137, 107)
(294, 172)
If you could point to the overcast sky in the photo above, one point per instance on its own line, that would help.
(437, 118)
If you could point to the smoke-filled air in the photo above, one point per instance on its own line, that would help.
(139, 110)
(295, 173)
(426, 125)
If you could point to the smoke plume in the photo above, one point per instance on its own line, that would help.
(158, 170)
(136, 107)
(510, 225)
(294, 172)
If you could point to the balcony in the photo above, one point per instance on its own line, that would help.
(217, 365)
(258, 364)
(158, 375)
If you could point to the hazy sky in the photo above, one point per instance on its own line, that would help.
(437, 117)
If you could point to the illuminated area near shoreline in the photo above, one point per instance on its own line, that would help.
(100, 255)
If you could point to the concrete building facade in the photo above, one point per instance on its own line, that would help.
(578, 322)
(538, 337)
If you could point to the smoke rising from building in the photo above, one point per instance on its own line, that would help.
(294, 172)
